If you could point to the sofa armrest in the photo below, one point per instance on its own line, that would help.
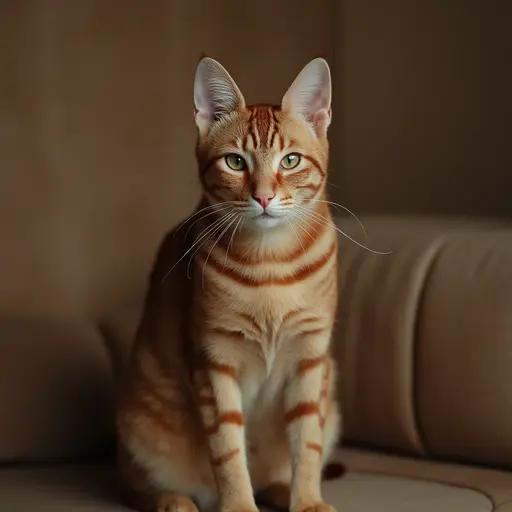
(424, 337)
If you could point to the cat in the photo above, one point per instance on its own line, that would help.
(229, 397)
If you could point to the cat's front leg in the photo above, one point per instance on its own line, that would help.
(220, 403)
(305, 416)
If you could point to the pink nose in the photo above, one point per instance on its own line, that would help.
(264, 198)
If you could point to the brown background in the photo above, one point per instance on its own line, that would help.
(424, 95)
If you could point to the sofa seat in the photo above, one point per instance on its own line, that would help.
(374, 482)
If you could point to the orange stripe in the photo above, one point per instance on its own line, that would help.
(312, 332)
(301, 274)
(316, 163)
(226, 418)
(219, 461)
(234, 335)
(225, 369)
(315, 446)
(309, 364)
(292, 313)
(314, 188)
(300, 410)
(309, 320)
(281, 143)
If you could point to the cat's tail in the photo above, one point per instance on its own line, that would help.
(333, 470)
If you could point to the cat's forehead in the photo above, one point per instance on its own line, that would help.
(261, 129)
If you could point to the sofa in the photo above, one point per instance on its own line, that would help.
(424, 348)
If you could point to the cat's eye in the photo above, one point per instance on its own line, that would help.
(290, 161)
(235, 162)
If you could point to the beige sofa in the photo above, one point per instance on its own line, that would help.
(424, 347)
(96, 163)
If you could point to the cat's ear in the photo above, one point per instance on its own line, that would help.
(309, 96)
(215, 94)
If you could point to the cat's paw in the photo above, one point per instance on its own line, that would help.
(170, 502)
(318, 507)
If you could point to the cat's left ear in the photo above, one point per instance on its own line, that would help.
(309, 96)
(215, 94)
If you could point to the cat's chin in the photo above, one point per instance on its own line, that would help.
(266, 222)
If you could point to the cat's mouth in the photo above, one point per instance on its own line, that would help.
(266, 220)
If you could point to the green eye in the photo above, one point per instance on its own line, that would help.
(235, 162)
(290, 161)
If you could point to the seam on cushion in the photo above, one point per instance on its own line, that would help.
(493, 504)
(435, 251)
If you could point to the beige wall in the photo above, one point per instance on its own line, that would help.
(424, 93)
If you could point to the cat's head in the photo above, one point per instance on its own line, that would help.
(267, 162)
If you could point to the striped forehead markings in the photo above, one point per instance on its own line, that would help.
(263, 127)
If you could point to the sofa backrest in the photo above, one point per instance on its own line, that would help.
(424, 338)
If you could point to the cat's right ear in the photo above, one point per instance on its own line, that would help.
(215, 94)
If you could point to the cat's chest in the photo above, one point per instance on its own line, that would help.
(270, 309)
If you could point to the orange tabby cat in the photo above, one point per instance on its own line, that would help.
(229, 398)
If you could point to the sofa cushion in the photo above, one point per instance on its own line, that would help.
(364, 488)
(56, 389)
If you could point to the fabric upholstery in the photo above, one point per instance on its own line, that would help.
(373, 482)
(424, 337)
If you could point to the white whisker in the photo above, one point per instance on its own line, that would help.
(306, 214)
(211, 233)
(215, 223)
(300, 241)
(231, 239)
(214, 244)
(198, 212)
(224, 208)
(350, 212)
(320, 219)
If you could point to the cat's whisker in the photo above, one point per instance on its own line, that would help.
(201, 236)
(209, 207)
(300, 241)
(320, 219)
(232, 221)
(211, 233)
(231, 239)
(302, 219)
(348, 210)
(222, 209)
(298, 219)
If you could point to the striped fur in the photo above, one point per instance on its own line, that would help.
(229, 395)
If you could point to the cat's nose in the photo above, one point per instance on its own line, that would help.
(264, 198)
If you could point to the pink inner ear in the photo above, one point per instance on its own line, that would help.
(201, 116)
(322, 116)
(321, 121)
